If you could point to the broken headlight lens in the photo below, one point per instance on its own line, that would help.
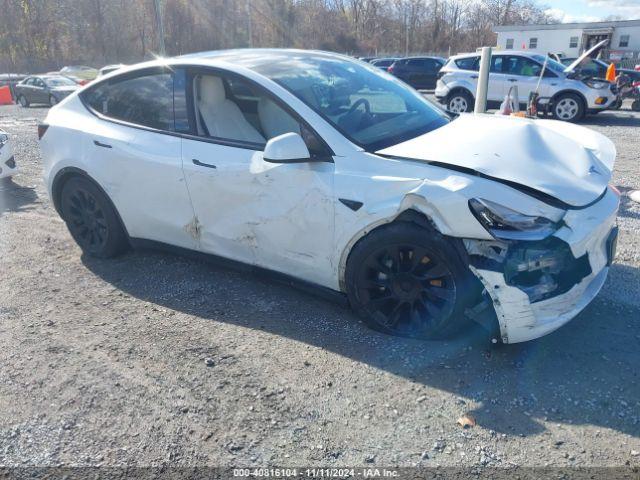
(507, 224)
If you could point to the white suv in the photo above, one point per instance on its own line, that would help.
(566, 94)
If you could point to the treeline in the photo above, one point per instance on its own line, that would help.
(40, 35)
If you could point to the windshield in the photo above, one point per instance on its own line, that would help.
(551, 63)
(369, 107)
(59, 82)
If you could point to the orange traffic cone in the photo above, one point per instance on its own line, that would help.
(611, 73)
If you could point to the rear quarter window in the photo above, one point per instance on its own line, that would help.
(468, 63)
(146, 100)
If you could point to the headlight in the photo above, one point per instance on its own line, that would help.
(507, 224)
(597, 84)
(4, 138)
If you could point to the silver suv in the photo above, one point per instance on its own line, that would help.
(567, 94)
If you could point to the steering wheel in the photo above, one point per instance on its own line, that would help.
(356, 105)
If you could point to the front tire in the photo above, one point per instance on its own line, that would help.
(405, 280)
(22, 100)
(568, 107)
(459, 101)
(91, 219)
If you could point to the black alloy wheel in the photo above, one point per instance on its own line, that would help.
(407, 289)
(409, 281)
(91, 219)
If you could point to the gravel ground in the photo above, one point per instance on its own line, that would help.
(208, 366)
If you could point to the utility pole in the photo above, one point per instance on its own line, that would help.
(160, 26)
(249, 27)
(406, 35)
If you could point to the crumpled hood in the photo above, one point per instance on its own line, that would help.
(570, 163)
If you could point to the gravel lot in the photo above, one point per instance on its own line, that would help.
(153, 359)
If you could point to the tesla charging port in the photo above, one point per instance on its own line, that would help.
(544, 269)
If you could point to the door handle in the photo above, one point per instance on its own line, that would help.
(512, 80)
(474, 76)
(201, 164)
(100, 144)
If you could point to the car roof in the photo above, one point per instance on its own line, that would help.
(523, 53)
(242, 54)
(243, 59)
(431, 57)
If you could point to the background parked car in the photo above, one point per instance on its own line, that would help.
(419, 72)
(47, 89)
(109, 68)
(80, 73)
(383, 63)
(589, 66)
(598, 68)
(570, 95)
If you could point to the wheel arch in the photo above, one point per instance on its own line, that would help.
(572, 92)
(458, 89)
(67, 173)
(409, 215)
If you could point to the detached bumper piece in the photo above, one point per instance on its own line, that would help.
(8, 168)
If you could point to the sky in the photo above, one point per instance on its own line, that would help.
(592, 10)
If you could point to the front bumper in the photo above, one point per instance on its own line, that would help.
(531, 311)
(594, 98)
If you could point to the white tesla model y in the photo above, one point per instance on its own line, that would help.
(331, 171)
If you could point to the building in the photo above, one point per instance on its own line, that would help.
(571, 39)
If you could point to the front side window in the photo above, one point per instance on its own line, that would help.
(365, 105)
(533, 42)
(624, 41)
(573, 42)
(145, 99)
(231, 109)
(523, 66)
(509, 44)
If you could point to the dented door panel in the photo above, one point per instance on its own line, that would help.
(276, 216)
(142, 173)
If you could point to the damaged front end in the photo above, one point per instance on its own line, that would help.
(538, 285)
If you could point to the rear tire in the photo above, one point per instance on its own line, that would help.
(52, 101)
(460, 101)
(406, 280)
(22, 100)
(568, 107)
(92, 219)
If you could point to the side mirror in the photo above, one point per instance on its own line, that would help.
(286, 148)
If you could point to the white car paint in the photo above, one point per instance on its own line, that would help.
(288, 217)
(554, 83)
(8, 166)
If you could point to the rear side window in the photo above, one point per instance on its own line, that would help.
(417, 62)
(145, 100)
(469, 63)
